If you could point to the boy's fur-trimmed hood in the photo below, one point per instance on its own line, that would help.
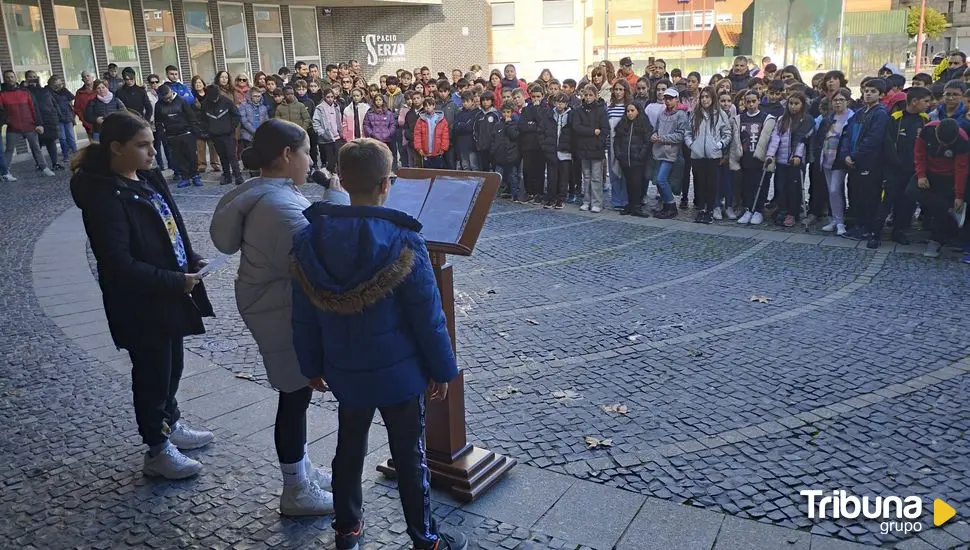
(351, 257)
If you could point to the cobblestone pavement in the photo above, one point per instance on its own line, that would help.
(854, 375)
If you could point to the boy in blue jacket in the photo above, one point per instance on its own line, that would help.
(862, 146)
(463, 132)
(368, 325)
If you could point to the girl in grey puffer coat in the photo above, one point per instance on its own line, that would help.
(708, 137)
(667, 140)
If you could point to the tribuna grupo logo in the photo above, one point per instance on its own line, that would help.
(895, 513)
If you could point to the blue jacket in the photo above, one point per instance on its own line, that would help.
(182, 91)
(463, 129)
(251, 116)
(367, 314)
(864, 137)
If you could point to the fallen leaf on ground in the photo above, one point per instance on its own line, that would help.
(633, 337)
(759, 299)
(595, 443)
(244, 375)
(532, 322)
(566, 396)
(694, 353)
(506, 392)
(615, 408)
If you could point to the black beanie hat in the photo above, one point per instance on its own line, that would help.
(948, 130)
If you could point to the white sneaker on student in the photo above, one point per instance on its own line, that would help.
(305, 499)
(716, 214)
(730, 214)
(186, 438)
(595, 209)
(932, 250)
(745, 218)
(829, 227)
(48, 172)
(757, 218)
(584, 207)
(8, 177)
(840, 230)
(170, 464)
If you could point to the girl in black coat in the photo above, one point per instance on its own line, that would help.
(149, 278)
(631, 147)
(101, 106)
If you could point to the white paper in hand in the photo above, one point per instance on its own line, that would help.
(214, 265)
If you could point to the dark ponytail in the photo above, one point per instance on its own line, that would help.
(118, 127)
(269, 140)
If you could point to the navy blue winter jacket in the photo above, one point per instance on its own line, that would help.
(463, 129)
(864, 137)
(367, 314)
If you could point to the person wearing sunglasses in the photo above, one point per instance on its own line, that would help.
(241, 89)
(151, 90)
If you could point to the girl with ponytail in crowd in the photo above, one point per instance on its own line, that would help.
(259, 218)
(149, 277)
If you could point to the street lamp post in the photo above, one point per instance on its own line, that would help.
(784, 58)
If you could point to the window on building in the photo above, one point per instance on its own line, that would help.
(25, 34)
(269, 38)
(629, 27)
(673, 21)
(119, 34)
(306, 43)
(963, 6)
(198, 33)
(557, 12)
(703, 20)
(949, 7)
(503, 14)
(74, 40)
(724, 18)
(235, 39)
(160, 33)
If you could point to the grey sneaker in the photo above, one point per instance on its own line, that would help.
(305, 499)
(452, 541)
(170, 464)
(186, 438)
(932, 250)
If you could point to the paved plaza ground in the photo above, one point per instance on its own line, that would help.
(852, 373)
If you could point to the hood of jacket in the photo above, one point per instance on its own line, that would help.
(432, 120)
(230, 216)
(958, 114)
(350, 257)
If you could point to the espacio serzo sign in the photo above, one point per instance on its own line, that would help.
(383, 48)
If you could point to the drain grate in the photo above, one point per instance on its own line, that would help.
(219, 345)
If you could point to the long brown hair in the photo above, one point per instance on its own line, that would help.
(787, 121)
(120, 127)
(700, 110)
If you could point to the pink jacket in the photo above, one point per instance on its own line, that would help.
(348, 122)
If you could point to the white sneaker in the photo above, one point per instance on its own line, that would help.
(932, 250)
(48, 172)
(829, 227)
(8, 177)
(730, 213)
(305, 499)
(757, 218)
(840, 230)
(584, 207)
(170, 464)
(716, 214)
(745, 218)
(186, 438)
(595, 209)
(321, 477)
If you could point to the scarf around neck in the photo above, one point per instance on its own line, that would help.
(107, 98)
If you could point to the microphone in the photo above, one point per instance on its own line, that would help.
(322, 177)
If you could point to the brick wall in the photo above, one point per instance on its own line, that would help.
(178, 15)
(97, 32)
(50, 31)
(251, 34)
(216, 25)
(6, 59)
(288, 50)
(144, 59)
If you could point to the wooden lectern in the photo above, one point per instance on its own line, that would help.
(452, 207)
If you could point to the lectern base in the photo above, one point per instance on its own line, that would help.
(465, 478)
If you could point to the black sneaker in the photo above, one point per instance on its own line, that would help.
(874, 242)
(452, 541)
(683, 204)
(349, 541)
(58, 167)
(559, 205)
(547, 204)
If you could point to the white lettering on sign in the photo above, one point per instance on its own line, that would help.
(382, 48)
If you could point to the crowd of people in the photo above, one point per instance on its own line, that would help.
(746, 140)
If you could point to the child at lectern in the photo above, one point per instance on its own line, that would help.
(368, 325)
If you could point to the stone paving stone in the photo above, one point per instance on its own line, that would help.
(600, 520)
(828, 543)
(662, 525)
(736, 533)
(523, 496)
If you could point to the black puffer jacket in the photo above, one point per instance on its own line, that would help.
(505, 143)
(220, 117)
(175, 118)
(585, 120)
(97, 108)
(136, 99)
(140, 278)
(529, 127)
(552, 138)
(631, 144)
(46, 104)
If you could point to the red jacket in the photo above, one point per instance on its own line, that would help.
(935, 158)
(19, 106)
(441, 136)
(81, 99)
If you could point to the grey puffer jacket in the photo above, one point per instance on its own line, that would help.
(711, 139)
(671, 128)
(260, 218)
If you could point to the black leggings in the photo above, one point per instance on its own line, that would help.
(226, 149)
(289, 434)
(705, 182)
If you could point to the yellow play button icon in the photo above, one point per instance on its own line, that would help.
(942, 512)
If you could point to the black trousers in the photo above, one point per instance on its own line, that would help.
(405, 434)
(936, 201)
(184, 157)
(576, 178)
(868, 198)
(289, 434)
(156, 369)
(558, 173)
(751, 176)
(634, 176)
(226, 149)
(898, 201)
(533, 172)
(685, 177)
(314, 147)
(705, 183)
(818, 191)
(788, 189)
